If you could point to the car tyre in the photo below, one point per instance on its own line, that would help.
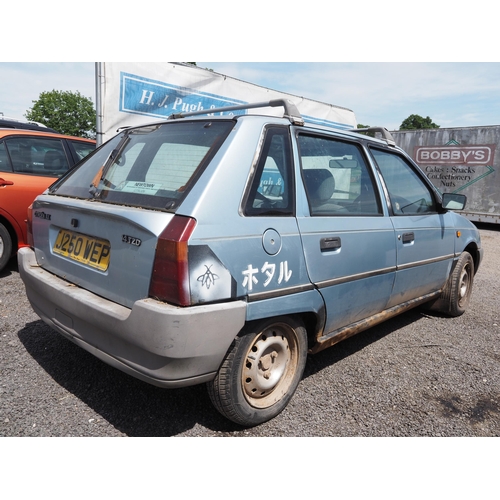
(261, 371)
(5, 246)
(455, 297)
(461, 282)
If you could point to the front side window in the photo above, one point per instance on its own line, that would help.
(336, 177)
(37, 156)
(151, 167)
(408, 193)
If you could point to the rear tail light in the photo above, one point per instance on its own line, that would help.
(29, 227)
(170, 279)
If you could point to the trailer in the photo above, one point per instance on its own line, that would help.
(460, 160)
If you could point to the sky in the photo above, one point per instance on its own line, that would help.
(452, 94)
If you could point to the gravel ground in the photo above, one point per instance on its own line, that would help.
(416, 375)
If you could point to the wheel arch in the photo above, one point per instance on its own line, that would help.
(473, 249)
(313, 322)
(307, 306)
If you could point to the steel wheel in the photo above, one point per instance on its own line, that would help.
(456, 294)
(464, 286)
(261, 371)
(270, 364)
(460, 285)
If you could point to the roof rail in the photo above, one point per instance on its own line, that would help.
(291, 111)
(386, 135)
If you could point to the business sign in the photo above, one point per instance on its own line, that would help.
(463, 160)
(453, 167)
(130, 94)
(451, 155)
(155, 99)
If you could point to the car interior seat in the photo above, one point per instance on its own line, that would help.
(54, 161)
(320, 185)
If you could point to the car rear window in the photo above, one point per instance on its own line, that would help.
(151, 167)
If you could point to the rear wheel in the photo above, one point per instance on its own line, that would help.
(5, 246)
(261, 371)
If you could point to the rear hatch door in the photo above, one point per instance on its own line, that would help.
(109, 252)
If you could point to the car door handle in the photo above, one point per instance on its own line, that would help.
(3, 182)
(408, 238)
(328, 244)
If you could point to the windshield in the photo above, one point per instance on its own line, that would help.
(151, 167)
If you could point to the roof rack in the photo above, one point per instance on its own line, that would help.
(291, 111)
(386, 135)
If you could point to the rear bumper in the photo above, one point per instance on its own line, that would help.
(161, 344)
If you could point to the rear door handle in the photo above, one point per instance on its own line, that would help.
(3, 182)
(408, 237)
(328, 244)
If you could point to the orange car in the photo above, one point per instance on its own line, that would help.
(30, 161)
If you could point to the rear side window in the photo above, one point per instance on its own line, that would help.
(151, 167)
(336, 178)
(37, 156)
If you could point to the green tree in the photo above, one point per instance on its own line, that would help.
(417, 122)
(67, 112)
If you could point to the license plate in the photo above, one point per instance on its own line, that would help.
(93, 252)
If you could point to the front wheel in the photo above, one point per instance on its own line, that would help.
(261, 371)
(462, 278)
(455, 297)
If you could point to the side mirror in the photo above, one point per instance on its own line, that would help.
(453, 201)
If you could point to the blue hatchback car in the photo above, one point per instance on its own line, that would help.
(225, 249)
